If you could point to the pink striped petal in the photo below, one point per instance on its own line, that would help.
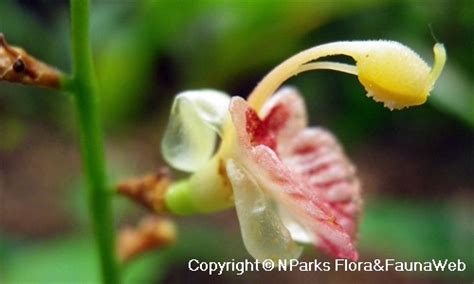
(315, 156)
(291, 192)
(295, 196)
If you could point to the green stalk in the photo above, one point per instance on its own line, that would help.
(83, 85)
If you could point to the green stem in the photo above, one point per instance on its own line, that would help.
(83, 86)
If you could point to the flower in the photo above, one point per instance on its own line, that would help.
(290, 184)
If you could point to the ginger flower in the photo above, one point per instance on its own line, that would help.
(290, 184)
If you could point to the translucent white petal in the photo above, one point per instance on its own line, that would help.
(190, 137)
(298, 232)
(263, 232)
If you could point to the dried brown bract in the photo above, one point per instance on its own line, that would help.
(19, 67)
(152, 233)
(149, 190)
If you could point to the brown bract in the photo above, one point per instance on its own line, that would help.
(149, 190)
(151, 233)
(17, 66)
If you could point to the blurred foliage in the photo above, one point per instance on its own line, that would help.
(392, 228)
(455, 95)
(200, 38)
(71, 259)
(146, 51)
(396, 228)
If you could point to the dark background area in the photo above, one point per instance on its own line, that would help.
(416, 165)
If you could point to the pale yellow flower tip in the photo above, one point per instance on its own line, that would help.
(395, 75)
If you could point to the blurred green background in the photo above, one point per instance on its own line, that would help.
(416, 165)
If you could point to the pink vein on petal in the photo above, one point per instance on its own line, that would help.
(289, 190)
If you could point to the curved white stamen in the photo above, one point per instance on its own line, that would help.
(328, 65)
